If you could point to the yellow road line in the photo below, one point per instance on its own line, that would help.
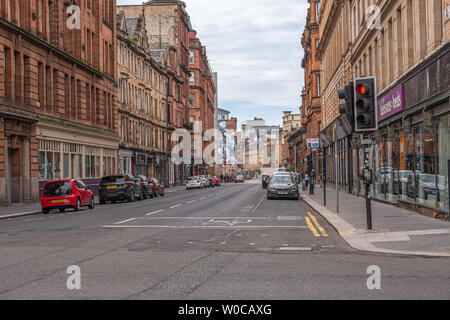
(311, 227)
(322, 230)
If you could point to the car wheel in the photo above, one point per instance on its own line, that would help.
(163, 193)
(78, 205)
(102, 201)
(92, 205)
(141, 196)
(145, 195)
(113, 201)
(45, 211)
(62, 210)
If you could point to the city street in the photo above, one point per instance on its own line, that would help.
(218, 243)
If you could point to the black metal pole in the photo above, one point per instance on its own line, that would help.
(324, 176)
(368, 207)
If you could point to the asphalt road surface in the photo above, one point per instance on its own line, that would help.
(220, 243)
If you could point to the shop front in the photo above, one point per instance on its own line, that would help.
(67, 152)
(411, 149)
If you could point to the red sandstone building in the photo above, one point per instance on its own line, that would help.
(57, 95)
(201, 100)
(168, 25)
(311, 96)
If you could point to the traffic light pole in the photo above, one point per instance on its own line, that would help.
(368, 180)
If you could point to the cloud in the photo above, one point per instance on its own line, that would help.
(254, 45)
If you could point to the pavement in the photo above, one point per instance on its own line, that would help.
(395, 230)
(226, 243)
(27, 209)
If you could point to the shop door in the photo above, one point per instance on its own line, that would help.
(9, 175)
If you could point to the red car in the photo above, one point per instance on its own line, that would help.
(64, 194)
(239, 179)
(216, 181)
(158, 188)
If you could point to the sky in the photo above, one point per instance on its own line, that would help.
(254, 46)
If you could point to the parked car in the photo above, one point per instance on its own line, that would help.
(282, 170)
(239, 179)
(282, 186)
(64, 194)
(216, 181)
(204, 181)
(118, 188)
(193, 183)
(158, 188)
(142, 188)
(147, 187)
(210, 181)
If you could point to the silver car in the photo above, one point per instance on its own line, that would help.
(282, 186)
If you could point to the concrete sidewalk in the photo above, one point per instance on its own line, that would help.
(27, 209)
(395, 230)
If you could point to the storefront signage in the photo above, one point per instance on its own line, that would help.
(313, 143)
(391, 103)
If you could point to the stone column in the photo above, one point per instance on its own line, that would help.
(26, 181)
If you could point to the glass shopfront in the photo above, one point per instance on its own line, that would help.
(410, 162)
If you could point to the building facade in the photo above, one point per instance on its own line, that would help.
(57, 95)
(312, 107)
(168, 26)
(142, 103)
(291, 122)
(408, 50)
(202, 102)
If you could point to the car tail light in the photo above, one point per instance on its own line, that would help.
(198, 180)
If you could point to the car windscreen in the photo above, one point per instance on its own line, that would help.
(113, 179)
(282, 179)
(58, 189)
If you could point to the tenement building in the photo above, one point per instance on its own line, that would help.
(57, 95)
(168, 26)
(408, 50)
(201, 104)
(312, 110)
(142, 103)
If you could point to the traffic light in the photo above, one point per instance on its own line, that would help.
(348, 107)
(366, 115)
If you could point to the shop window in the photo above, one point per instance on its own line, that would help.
(444, 157)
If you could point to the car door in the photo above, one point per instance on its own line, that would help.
(82, 190)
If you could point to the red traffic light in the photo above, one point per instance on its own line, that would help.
(362, 90)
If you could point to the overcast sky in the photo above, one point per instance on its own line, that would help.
(254, 45)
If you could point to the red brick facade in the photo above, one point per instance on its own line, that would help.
(57, 91)
(202, 93)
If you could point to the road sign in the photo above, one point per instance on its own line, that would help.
(313, 142)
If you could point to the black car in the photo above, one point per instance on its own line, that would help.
(282, 186)
(118, 188)
(147, 187)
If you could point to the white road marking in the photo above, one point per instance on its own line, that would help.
(149, 214)
(128, 220)
(192, 201)
(175, 206)
(204, 227)
(259, 203)
(203, 198)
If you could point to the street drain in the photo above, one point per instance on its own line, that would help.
(295, 249)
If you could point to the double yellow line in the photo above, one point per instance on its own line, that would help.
(313, 228)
